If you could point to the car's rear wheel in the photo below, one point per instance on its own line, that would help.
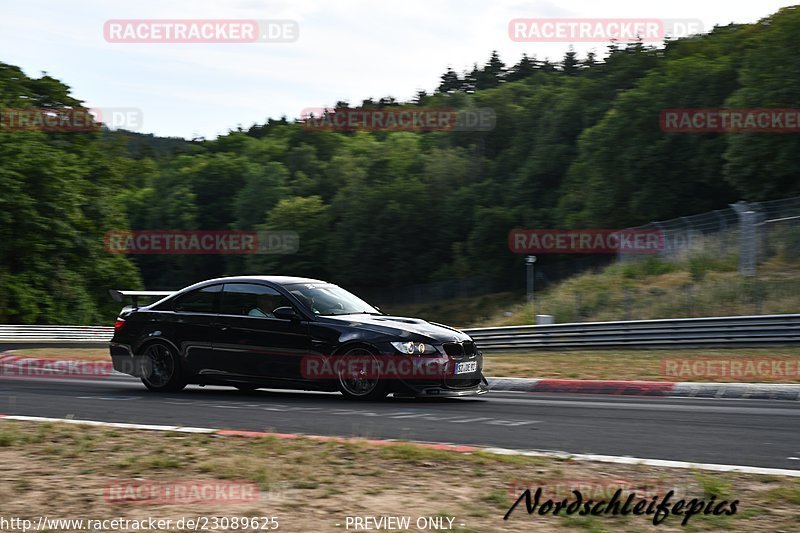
(357, 385)
(161, 369)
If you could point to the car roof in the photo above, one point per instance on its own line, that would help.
(279, 280)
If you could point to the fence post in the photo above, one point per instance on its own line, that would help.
(529, 262)
(747, 238)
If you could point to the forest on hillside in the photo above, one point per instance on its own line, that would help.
(575, 144)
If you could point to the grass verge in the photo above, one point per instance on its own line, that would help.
(62, 470)
(645, 365)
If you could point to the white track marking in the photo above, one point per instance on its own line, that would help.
(648, 462)
(152, 427)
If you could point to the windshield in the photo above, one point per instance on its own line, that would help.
(327, 300)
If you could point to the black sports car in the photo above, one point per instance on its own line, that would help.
(291, 333)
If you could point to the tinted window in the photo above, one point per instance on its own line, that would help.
(327, 299)
(198, 301)
(247, 299)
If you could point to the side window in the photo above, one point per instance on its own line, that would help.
(248, 299)
(198, 301)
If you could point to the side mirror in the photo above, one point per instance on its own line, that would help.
(284, 313)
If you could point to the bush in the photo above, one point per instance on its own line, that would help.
(649, 266)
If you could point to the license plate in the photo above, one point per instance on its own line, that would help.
(466, 367)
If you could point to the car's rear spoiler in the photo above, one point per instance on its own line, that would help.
(119, 296)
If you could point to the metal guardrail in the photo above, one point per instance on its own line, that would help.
(733, 331)
(14, 336)
(760, 330)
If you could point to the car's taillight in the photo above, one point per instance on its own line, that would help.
(118, 325)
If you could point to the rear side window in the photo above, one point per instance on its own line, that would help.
(198, 301)
(248, 299)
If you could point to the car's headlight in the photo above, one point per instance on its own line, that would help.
(414, 348)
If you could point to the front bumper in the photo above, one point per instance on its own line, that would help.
(445, 385)
(440, 390)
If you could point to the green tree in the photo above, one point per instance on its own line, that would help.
(765, 165)
(449, 82)
(309, 218)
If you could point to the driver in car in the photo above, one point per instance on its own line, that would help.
(263, 307)
(308, 300)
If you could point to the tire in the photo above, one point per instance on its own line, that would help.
(161, 369)
(358, 388)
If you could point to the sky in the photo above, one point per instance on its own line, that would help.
(346, 50)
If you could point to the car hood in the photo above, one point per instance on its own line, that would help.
(403, 327)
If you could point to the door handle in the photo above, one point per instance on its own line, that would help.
(219, 326)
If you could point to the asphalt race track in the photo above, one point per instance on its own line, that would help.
(760, 433)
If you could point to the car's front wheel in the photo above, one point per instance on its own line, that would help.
(161, 370)
(358, 385)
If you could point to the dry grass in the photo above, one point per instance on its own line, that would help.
(310, 485)
(652, 288)
(459, 312)
(623, 364)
